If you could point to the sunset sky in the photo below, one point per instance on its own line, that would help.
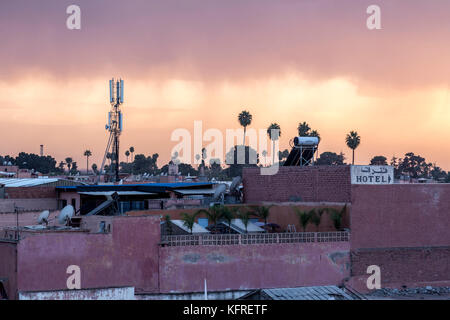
(284, 61)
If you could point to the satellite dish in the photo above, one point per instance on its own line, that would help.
(43, 217)
(219, 191)
(235, 183)
(66, 214)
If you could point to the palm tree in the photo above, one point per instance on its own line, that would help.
(245, 119)
(315, 133)
(214, 214)
(262, 212)
(87, 154)
(69, 163)
(228, 216)
(132, 153)
(61, 166)
(303, 129)
(353, 141)
(168, 224)
(304, 217)
(274, 135)
(188, 220)
(244, 216)
(336, 216)
(315, 217)
(127, 154)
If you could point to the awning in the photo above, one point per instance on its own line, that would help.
(120, 193)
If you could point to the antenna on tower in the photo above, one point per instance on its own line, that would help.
(114, 126)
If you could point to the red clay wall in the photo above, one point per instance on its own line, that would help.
(404, 230)
(311, 184)
(8, 267)
(183, 269)
(126, 257)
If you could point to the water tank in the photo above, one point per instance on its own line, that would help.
(306, 141)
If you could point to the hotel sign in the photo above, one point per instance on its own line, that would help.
(372, 174)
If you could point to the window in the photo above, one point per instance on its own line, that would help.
(74, 202)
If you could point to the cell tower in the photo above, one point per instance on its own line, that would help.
(114, 126)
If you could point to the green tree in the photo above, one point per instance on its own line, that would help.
(303, 217)
(353, 140)
(227, 214)
(245, 119)
(87, 154)
(336, 216)
(378, 161)
(262, 212)
(214, 214)
(127, 154)
(316, 217)
(189, 220)
(168, 225)
(330, 159)
(244, 216)
(274, 133)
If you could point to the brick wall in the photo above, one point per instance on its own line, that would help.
(30, 192)
(310, 184)
(400, 215)
(404, 266)
(403, 229)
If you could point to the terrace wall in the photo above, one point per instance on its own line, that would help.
(309, 184)
(242, 267)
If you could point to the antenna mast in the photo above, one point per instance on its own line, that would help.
(114, 126)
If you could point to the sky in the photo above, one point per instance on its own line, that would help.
(285, 61)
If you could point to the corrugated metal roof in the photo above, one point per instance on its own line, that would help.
(35, 182)
(27, 182)
(308, 293)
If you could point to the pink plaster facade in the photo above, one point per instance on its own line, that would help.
(242, 267)
(128, 256)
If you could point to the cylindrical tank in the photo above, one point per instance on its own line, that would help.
(306, 141)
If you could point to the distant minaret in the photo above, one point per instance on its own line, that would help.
(42, 150)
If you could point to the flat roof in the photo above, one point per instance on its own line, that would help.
(26, 182)
(144, 187)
